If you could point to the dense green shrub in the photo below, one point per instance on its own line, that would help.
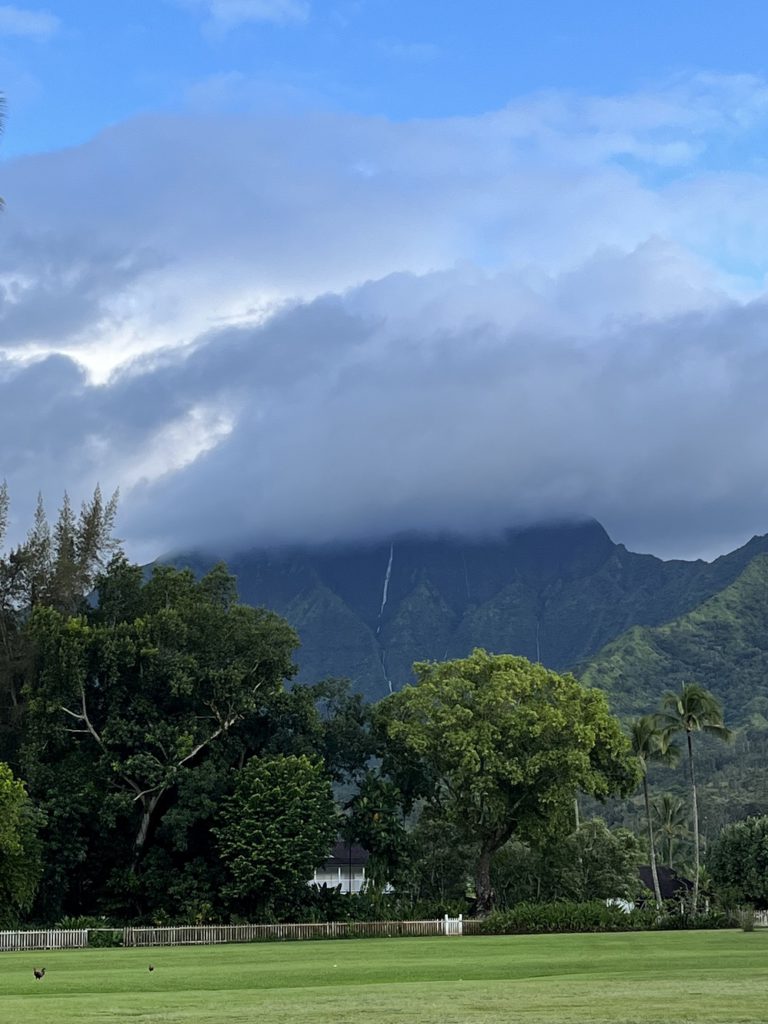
(564, 916)
(592, 863)
(592, 916)
(738, 862)
(101, 933)
(105, 938)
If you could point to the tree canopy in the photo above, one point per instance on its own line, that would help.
(692, 710)
(275, 829)
(127, 700)
(738, 862)
(501, 745)
(20, 852)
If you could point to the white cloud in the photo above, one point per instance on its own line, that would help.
(21, 22)
(341, 325)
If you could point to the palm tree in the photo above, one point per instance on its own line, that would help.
(649, 744)
(693, 709)
(670, 822)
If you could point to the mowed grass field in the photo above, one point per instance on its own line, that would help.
(636, 977)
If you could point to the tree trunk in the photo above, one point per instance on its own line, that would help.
(149, 806)
(651, 846)
(695, 897)
(485, 895)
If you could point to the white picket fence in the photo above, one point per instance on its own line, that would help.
(761, 919)
(209, 935)
(49, 938)
(453, 925)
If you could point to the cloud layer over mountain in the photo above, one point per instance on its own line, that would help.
(317, 326)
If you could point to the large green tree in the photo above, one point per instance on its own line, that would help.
(738, 862)
(501, 745)
(691, 710)
(275, 829)
(20, 853)
(129, 700)
(649, 744)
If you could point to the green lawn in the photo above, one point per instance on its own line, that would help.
(635, 977)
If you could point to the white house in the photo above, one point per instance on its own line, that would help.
(345, 867)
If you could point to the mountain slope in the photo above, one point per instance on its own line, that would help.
(555, 593)
(722, 644)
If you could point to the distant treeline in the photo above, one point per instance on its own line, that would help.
(171, 772)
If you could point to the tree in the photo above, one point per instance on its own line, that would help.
(693, 710)
(49, 568)
(738, 862)
(58, 567)
(324, 720)
(275, 829)
(439, 865)
(592, 863)
(376, 821)
(144, 686)
(20, 859)
(500, 745)
(670, 822)
(649, 744)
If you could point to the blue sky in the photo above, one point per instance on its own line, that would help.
(296, 270)
(83, 65)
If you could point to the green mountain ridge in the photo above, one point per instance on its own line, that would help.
(557, 593)
(722, 644)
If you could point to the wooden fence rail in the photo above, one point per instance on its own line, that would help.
(210, 934)
(213, 934)
(49, 938)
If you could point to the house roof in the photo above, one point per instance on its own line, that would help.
(343, 854)
(671, 885)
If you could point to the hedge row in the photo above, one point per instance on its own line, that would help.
(595, 916)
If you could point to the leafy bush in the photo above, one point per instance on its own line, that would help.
(101, 933)
(539, 918)
(593, 863)
(82, 921)
(738, 861)
(592, 916)
(106, 938)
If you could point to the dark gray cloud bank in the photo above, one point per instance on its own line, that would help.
(317, 327)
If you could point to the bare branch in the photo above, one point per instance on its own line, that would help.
(89, 728)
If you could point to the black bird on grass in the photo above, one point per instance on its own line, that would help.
(151, 968)
(39, 975)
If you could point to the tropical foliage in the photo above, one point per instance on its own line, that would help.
(174, 772)
(692, 710)
(500, 746)
(650, 744)
(738, 861)
(275, 829)
(20, 850)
